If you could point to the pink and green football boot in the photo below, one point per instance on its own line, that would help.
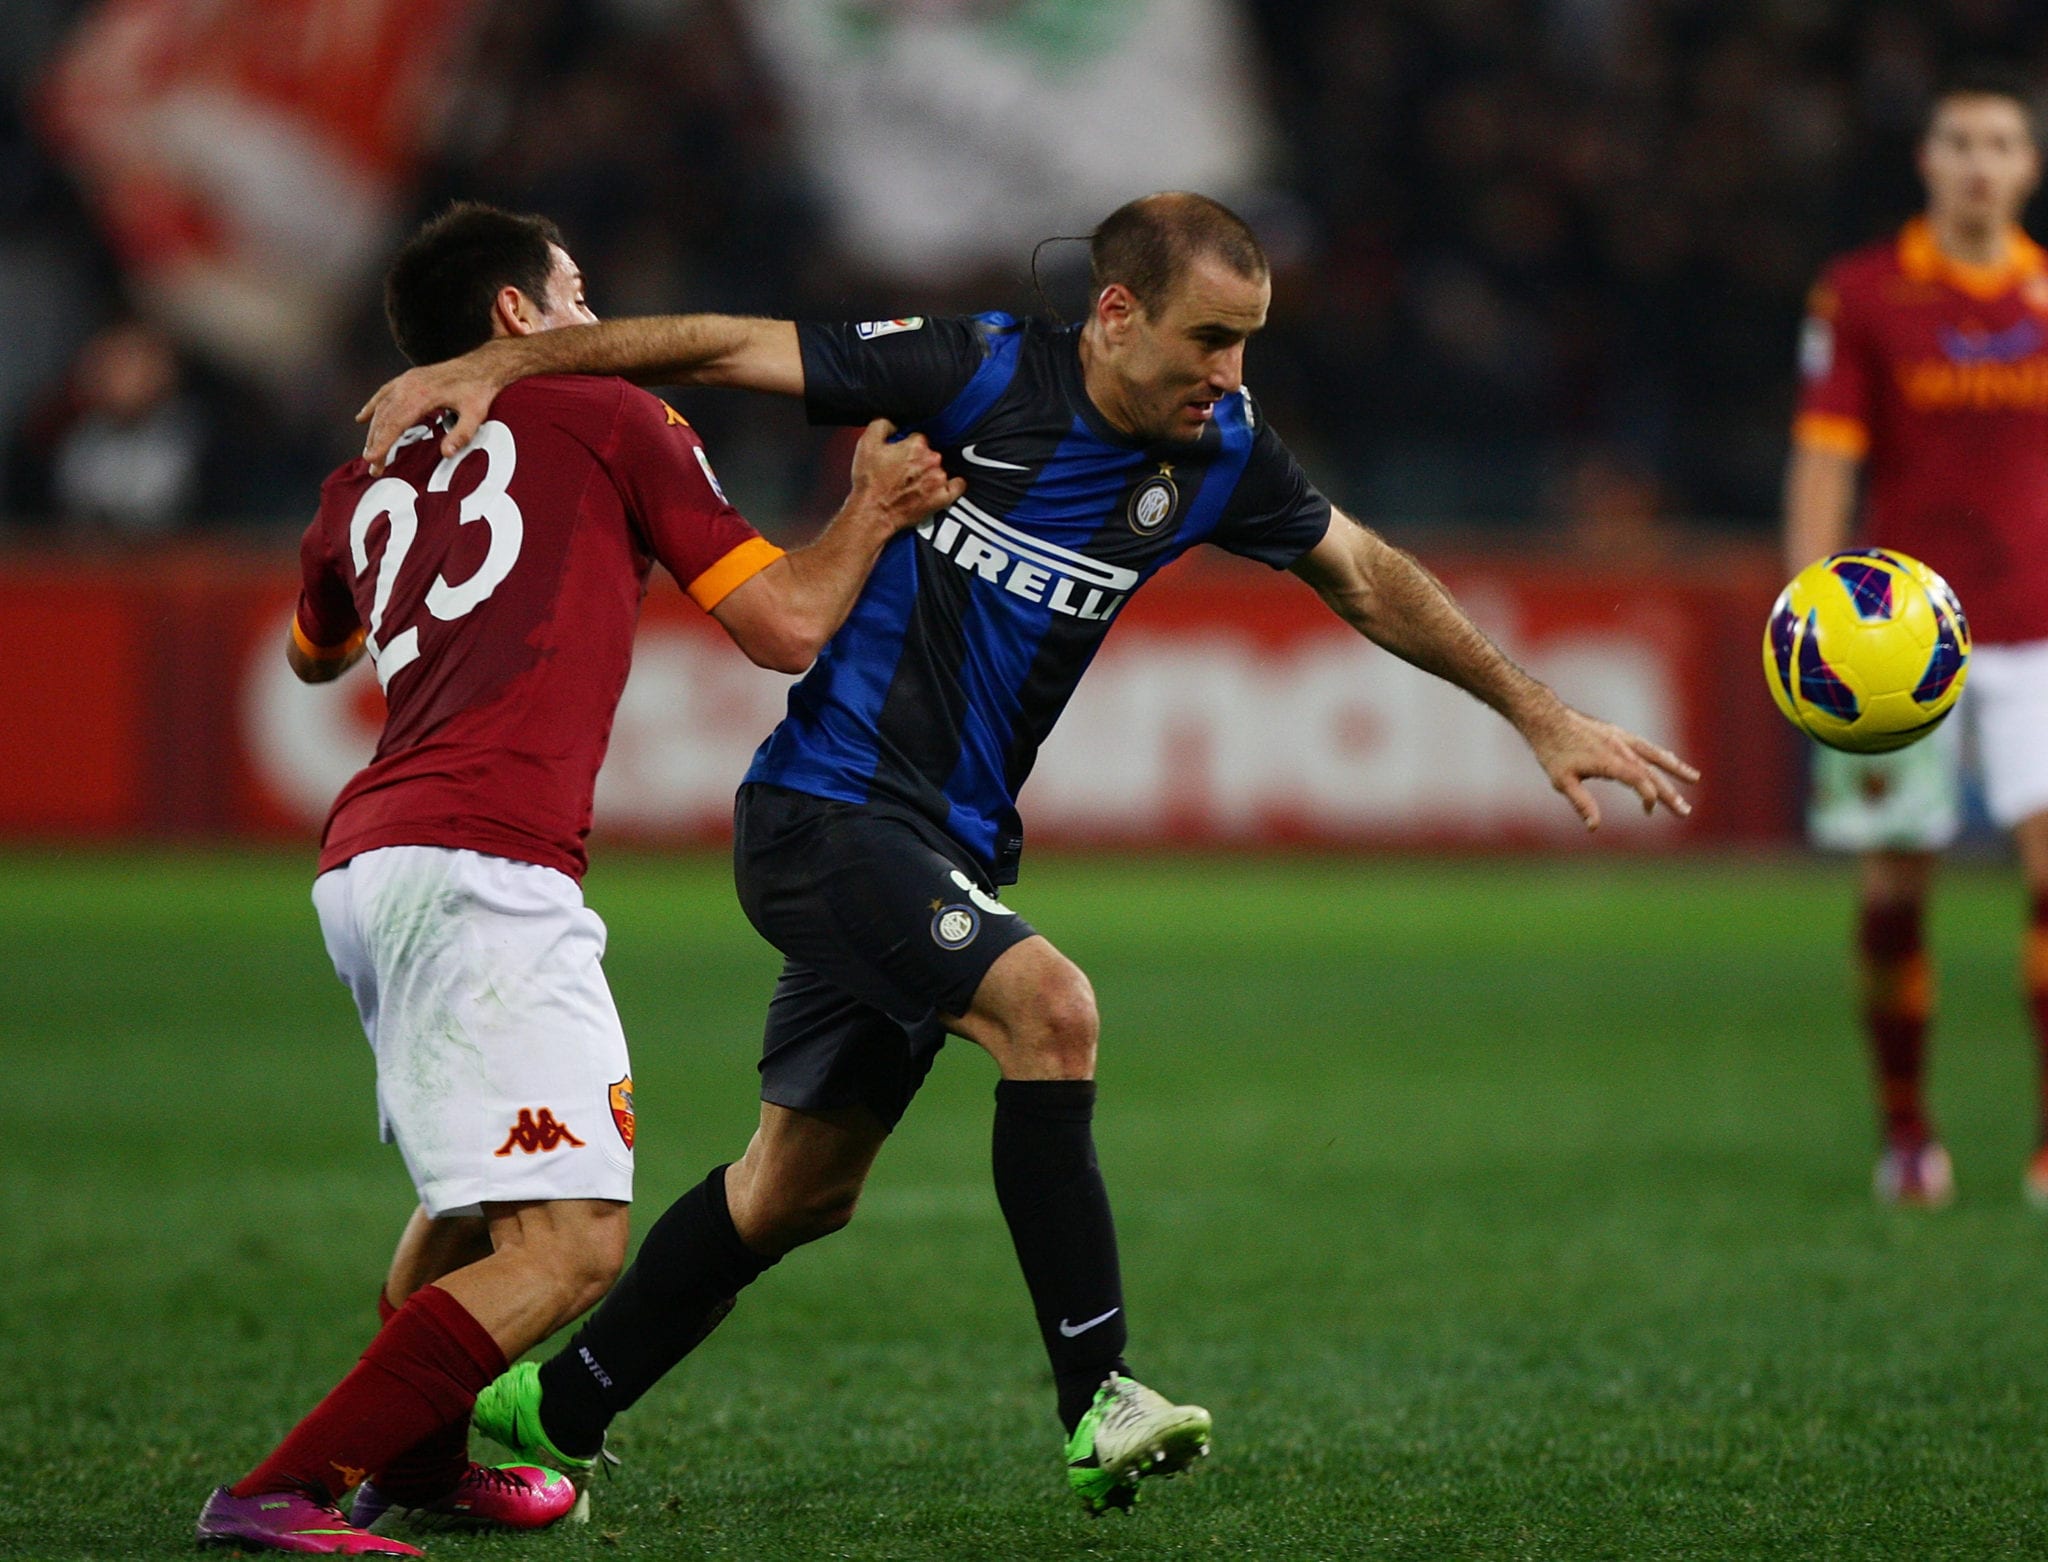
(289, 1521)
(502, 1496)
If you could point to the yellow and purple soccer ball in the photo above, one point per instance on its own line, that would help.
(1866, 651)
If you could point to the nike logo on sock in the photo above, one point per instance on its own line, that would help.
(1072, 1329)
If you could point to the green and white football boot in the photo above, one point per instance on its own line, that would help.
(1130, 1432)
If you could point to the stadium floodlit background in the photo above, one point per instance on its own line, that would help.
(1504, 1193)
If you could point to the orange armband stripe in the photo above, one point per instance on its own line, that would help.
(734, 570)
(326, 653)
(1833, 432)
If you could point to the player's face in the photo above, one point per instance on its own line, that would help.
(1178, 363)
(1979, 161)
(565, 303)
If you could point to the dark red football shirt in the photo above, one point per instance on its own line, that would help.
(1935, 374)
(500, 592)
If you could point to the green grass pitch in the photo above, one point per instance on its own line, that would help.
(1497, 1211)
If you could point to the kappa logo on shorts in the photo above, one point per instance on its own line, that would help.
(954, 927)
(538, 1134)
(622, 1108)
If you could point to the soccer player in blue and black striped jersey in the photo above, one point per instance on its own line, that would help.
(879, 819)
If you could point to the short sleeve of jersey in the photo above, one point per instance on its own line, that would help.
(326, 624)
(1276, 514)
(904, 370)
(1834, 371)
(684, 518)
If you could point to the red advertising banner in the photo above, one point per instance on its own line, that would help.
(1227, 708)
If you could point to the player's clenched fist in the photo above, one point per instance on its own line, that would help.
(904, 477)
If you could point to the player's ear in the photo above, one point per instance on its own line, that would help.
(1116, 307)
(513, 314)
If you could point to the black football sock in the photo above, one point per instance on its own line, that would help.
(690, 1270)
(1052, 1195)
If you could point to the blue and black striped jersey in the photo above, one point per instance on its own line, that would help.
(973, 631)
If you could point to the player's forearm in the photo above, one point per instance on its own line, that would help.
(1820, 498)
(826, 576)
(784, 615)
(1399, 605)
(733, 350)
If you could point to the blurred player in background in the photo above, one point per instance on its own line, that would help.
(1925, 362)
(879, 820)
(497, 593)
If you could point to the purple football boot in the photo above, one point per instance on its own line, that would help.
(289, 1521)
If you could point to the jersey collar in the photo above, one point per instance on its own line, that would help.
(1922, 260)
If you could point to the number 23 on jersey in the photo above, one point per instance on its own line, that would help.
(397, 499)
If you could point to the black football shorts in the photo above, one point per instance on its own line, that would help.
(885, 922)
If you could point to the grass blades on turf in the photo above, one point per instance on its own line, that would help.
(1496, 1211)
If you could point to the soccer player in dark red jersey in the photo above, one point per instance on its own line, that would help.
(879, 821)
(1925, 362)
(496, 593)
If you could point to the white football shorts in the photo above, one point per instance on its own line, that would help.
(1911, 800)
(501, 1065)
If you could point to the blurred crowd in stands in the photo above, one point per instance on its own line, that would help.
(1539, 263)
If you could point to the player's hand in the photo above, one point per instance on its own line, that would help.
(464, 387)
(1573, 748)
(902, 478)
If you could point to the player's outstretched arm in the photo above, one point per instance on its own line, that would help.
(733, 350)
(783, 616)
(1393, 601)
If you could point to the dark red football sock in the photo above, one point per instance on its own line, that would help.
(431, 1468)
(420, 1375)
(2034, 975)
(1897, 1000)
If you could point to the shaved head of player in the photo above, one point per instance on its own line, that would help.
(1180, 286)
(496, 593)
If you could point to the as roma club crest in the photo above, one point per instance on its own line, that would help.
(1153, 502)
(622, 1109)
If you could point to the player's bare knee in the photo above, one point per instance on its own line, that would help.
(1064, 1023)
(829, 1212)
(589, 1267)
(581, 1253)
(808, 1215)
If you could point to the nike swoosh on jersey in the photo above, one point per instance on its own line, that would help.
(1072, 1329)
(967, 454)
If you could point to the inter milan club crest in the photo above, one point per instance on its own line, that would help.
(1153, 502)
(622, 1108)
(954, 927)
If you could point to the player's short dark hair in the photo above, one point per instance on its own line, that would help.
(439, 292)
(1987, 79)
(1148, 244)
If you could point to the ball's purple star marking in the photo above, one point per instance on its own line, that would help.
(1870, 586)
(1819, 685)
